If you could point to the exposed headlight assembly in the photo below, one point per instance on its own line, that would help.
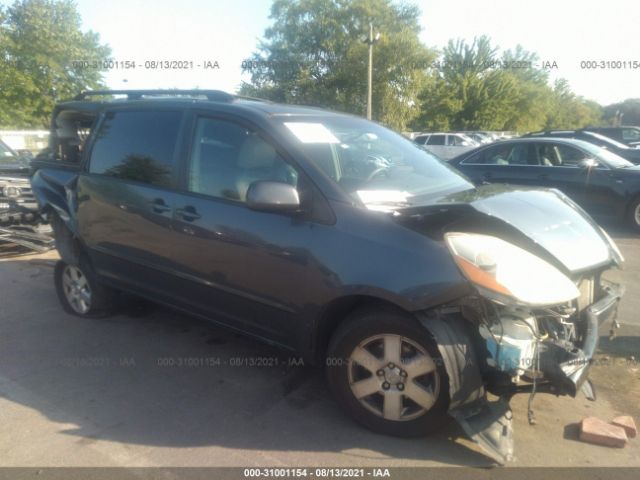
(616, 251)
(508, 274)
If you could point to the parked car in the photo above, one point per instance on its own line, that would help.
(631, 154)
(600, 181)
(336, 239)
(20, 222)
(445, 145)
(629, 135)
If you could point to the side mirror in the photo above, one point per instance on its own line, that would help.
(273, 197)
(588, 163)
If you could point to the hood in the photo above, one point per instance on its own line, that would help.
(14, 170)
(541, 220)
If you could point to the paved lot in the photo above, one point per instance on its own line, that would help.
(77, 392)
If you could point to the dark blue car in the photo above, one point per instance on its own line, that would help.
(601, 182)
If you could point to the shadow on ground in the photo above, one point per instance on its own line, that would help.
(154, 377)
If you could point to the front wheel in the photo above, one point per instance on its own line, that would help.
(385, 370)
(633, 214)
(79, 291)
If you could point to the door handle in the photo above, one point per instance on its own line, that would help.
(158, 205)
(486, 175)
(188, 213)
(543, 176)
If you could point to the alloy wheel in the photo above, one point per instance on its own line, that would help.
(76, 289)
(393, 377)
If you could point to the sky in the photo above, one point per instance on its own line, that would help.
(566, 32)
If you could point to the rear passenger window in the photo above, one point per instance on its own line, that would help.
(226, 158)
(137, 146)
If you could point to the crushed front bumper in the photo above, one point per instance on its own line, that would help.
(489, 423)
(567, 371)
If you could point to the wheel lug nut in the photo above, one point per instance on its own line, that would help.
(391, 365)
(380, 373)
(386, 385)
(403, 373)
(400, 386)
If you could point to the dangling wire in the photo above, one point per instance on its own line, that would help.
(530, 414)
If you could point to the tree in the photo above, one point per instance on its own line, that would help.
(477, 89)
(474, 93)
(39, 42)
(569, 111)
(313, 54)
(623, 113)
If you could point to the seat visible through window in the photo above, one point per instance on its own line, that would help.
(227, 158)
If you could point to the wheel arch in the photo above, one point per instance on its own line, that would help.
(337, 312)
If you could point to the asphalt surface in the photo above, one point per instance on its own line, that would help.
(151, 387)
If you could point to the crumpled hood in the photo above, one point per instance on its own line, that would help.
(546, 217)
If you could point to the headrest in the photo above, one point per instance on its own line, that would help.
(256, 153)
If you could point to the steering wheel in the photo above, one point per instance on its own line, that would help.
(377, 172)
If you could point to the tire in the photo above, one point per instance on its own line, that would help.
(397, 399)
(79, 291)
(633, 214)
(66, 245)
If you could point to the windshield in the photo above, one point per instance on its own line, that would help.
(6, 154)
(374, 165)
(610, 158)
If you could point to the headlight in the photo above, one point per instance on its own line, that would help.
(11, 192)
(506, 273)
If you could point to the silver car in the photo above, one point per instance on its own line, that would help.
(446, 145)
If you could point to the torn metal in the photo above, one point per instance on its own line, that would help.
(490, 348)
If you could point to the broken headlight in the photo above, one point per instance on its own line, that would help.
(506, 273)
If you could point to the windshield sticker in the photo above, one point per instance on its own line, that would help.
(311, 132)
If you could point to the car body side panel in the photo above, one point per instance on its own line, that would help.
(54, 190)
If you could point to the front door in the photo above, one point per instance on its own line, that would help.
(247, 268)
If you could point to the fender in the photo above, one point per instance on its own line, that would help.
(54, 189)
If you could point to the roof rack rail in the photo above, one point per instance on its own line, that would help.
(213, 95)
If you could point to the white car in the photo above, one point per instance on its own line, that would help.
(446, 145)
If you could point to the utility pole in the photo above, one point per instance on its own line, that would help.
(370, 41)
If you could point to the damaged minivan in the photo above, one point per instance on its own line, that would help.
(423, 296)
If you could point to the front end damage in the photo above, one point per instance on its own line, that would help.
(488, 348)
(532, 323)
(20, 223)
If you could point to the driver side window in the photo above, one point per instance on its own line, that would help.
(226, 158)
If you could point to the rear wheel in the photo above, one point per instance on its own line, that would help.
(79, 291)
(385, 371)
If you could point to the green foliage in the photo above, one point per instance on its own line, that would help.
(468, 91)
(313, 54)
(569, 111)
(475, 89)
(623, 113)
(39, 41)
